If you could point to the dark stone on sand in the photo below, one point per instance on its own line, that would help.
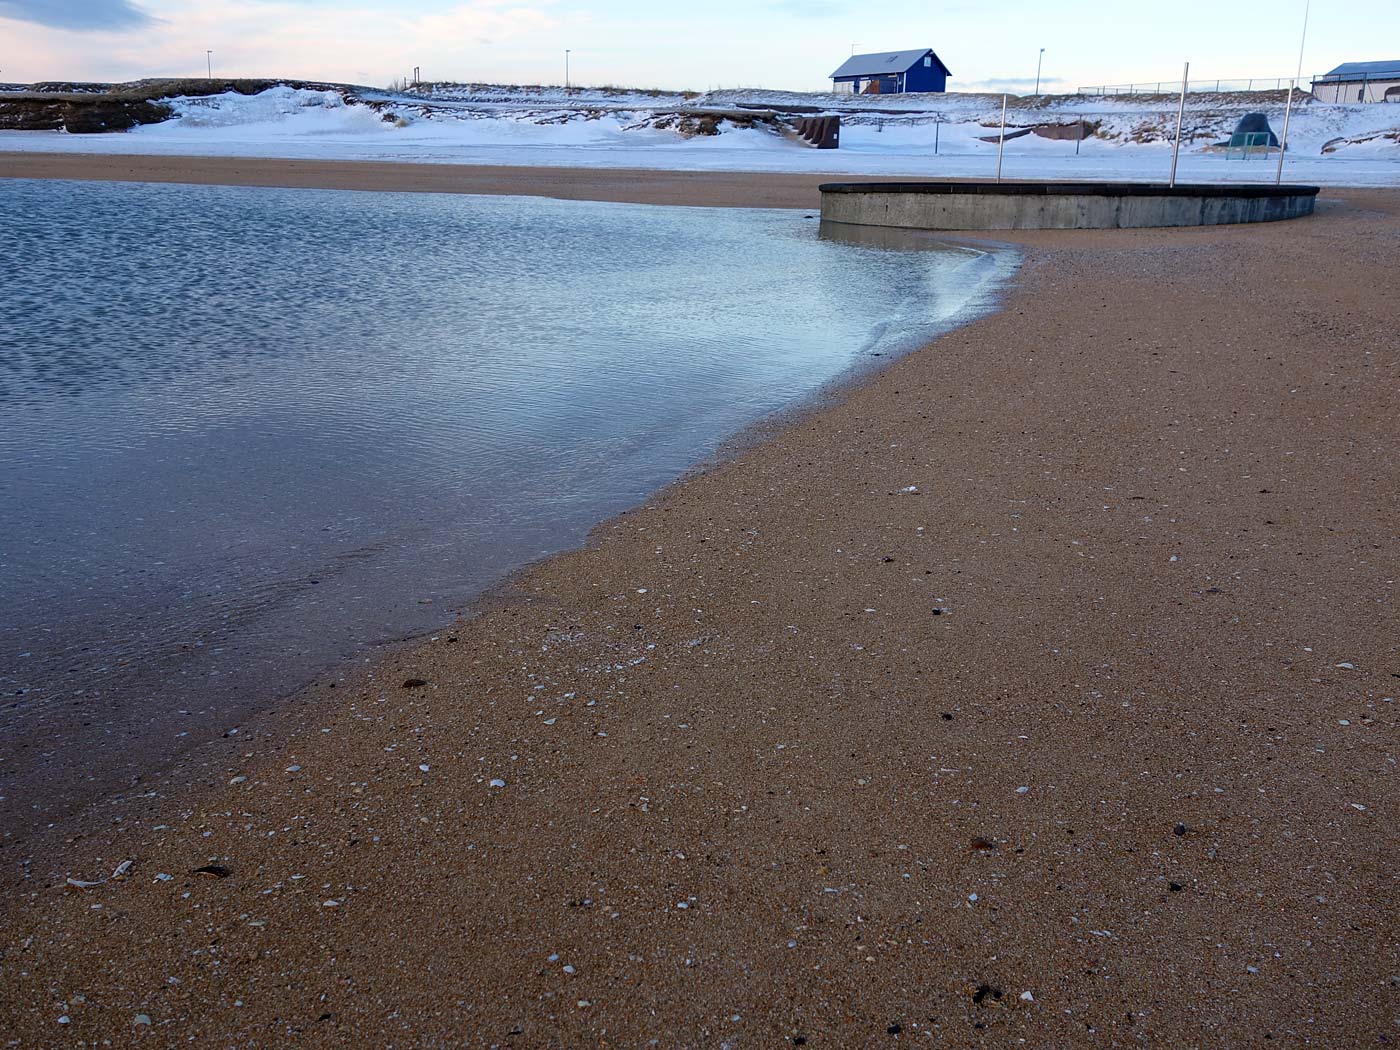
(984, 990)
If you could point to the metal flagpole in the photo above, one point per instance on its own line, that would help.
(1307, 8)
(1001, 139)
(1180, 112)
(1283, 142)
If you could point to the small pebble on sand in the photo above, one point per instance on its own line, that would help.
(497, 782)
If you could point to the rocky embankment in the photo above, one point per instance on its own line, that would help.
(77, 113)
(95, 108)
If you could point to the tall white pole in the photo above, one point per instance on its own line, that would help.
(1283, 142)
(1038, 61)
(1180, 113)
(566, 69)
(1307, 7)
(1001, 139)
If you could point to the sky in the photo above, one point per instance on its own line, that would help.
(792, 44)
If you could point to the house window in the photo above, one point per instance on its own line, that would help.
(928, 61)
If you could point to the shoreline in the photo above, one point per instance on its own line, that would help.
(780, 759)
(51, 786)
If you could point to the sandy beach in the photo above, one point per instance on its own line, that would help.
(635, 186)
(1041, 690)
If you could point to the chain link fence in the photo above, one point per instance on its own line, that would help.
(1172, 87)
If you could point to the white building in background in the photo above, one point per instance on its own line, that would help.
(1360, 82)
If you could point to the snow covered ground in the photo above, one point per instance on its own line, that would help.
(1328, 145)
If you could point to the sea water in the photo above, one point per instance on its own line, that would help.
(246, 433)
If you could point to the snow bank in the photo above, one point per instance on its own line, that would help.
(910, 135)
(278, 112)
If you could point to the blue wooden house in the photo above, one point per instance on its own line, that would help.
(891, 73)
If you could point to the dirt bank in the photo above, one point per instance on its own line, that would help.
(85, 109)
(1040, 690)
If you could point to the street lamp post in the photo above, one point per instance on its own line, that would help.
(209, 63)
(566, 69)
(1038, 61)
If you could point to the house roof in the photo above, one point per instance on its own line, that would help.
(1363, 70)
(885, 62)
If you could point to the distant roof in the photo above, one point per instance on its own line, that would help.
(885, 62)
(1361, 70)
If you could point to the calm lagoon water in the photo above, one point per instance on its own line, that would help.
(245, 433)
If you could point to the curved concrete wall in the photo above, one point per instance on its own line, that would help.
(1058, 206)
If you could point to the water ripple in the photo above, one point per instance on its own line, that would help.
(272, 424)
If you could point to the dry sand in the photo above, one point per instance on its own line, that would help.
(1089, 741)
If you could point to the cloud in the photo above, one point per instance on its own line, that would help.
(77, 14)
(810, 8)
(1007, 83)
(294, 38)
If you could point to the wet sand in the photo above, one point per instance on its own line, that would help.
(1041, 689)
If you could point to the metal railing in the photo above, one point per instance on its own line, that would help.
(1172, 87)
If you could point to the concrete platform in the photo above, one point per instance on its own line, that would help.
(1058, 205)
